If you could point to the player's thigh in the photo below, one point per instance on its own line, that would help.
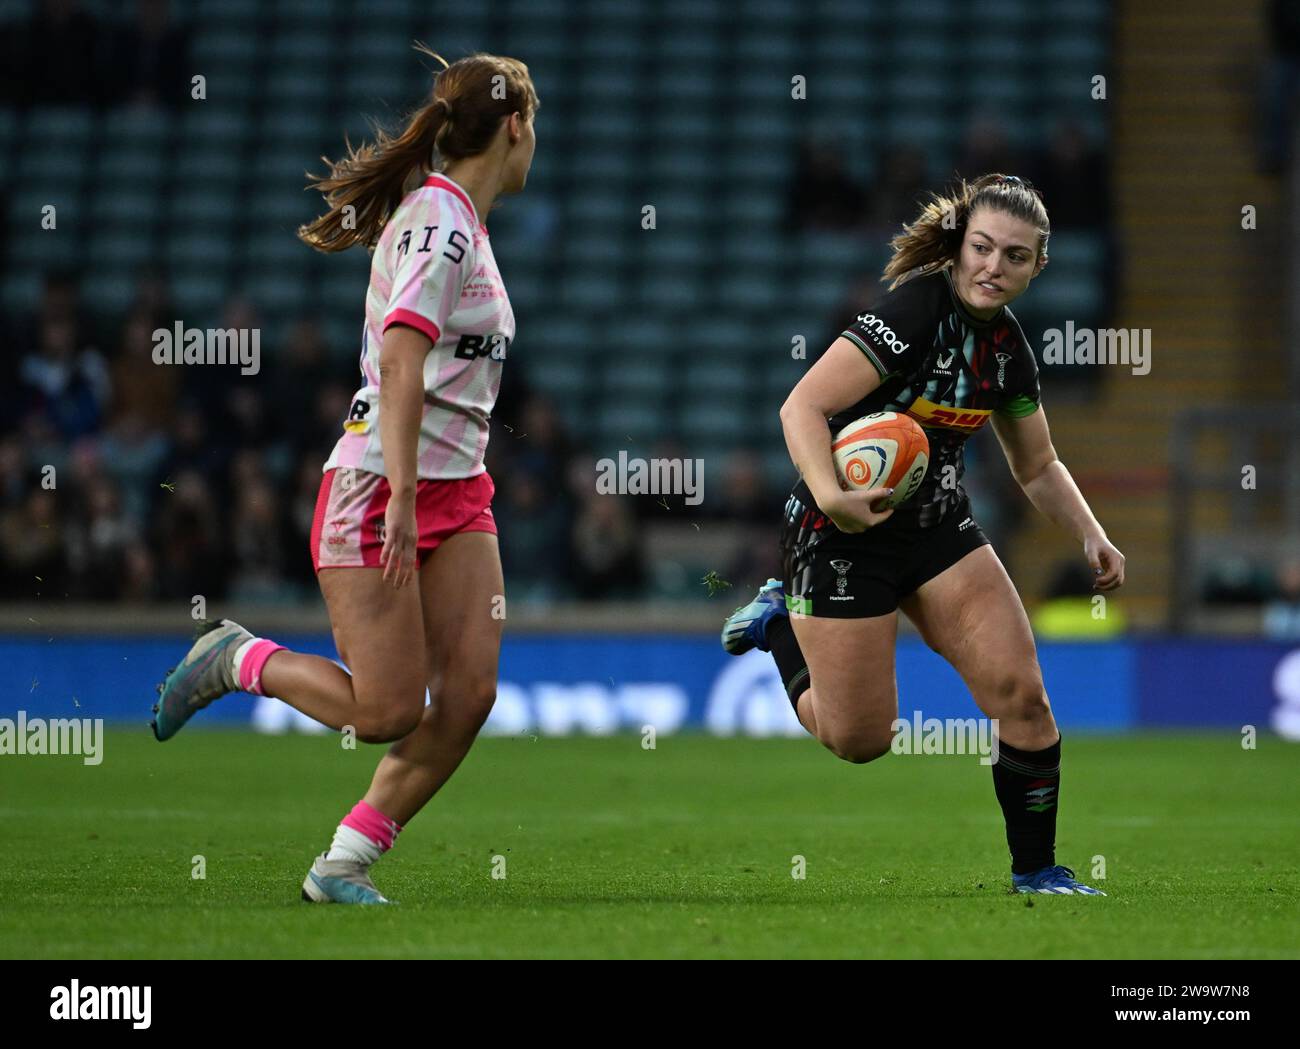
(463, 596)
(379, 633)
(851, 667)
(971, 614)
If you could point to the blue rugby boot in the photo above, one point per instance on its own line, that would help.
(340, 881)
(746, 627)
(206, 673)
(1053, 881)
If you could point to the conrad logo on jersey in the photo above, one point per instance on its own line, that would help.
(882, 333)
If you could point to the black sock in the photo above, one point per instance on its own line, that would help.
(1027, 783)
(790, 662)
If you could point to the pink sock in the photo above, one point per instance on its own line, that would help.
(250, 660)
(368, 820)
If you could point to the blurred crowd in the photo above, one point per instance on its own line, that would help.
(1070, 171)
(122, 479)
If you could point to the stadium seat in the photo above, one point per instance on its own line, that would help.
(276, 292)
(206, 247)
(58, 166)
(635, 378)
(138, 126)
(623, 425)
(127, 161)
(302, 90)
(714, 376)
(639, 335)
(754, 208)
(227, 10)
(670, 292)
(682, 85)
(41, 248)
(772, 50)
(685, 13)
(714, 421)
(104, 290)
(561, 380)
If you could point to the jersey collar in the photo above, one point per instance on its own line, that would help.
(443, 182)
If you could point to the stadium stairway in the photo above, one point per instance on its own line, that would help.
(1184, 89)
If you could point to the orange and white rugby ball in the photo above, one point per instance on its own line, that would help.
(882, 450)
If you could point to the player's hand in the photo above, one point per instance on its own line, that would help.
(400, 532)
(1107, 563)
(856, 511)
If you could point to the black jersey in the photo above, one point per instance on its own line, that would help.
(946, 369)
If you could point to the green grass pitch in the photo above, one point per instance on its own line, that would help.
(612, 850)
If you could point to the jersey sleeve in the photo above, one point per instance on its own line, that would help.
(896, 332)
(1025, 397)
(434, 257)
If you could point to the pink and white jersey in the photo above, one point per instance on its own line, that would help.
(433, 270)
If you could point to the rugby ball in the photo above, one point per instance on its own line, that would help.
(882, 450)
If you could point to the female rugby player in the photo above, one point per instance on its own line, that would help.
(941, 338)
(404, 541)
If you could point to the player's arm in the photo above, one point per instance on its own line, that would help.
(1027, 444)
(842, 377)
(401, 405)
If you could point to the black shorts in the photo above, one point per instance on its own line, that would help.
(838, 575)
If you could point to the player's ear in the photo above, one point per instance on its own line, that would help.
(1042, 263)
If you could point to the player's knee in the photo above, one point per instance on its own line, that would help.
(1021, 697)
(862, 747)
(391, 715)
(387, 726)
(467, 699)
(481, 697)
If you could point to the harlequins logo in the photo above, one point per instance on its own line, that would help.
(842, 570)
(1002, 367)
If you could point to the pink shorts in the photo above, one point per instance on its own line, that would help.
(348, 529)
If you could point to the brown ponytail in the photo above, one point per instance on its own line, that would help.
(469, 100)
(927, 244)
